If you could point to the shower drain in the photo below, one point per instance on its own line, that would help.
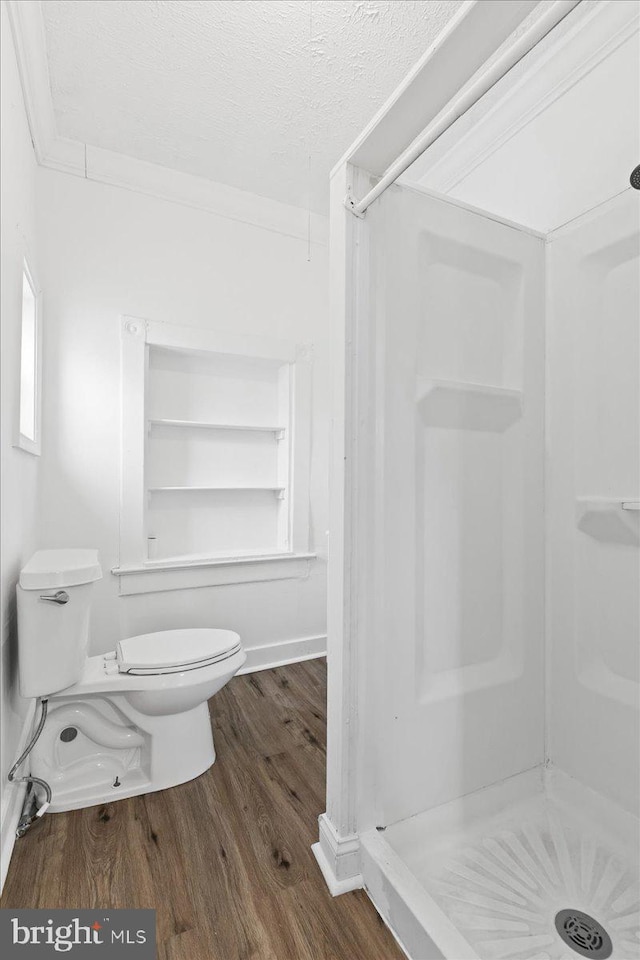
(583, 934)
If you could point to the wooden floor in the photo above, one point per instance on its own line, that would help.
(225, 860)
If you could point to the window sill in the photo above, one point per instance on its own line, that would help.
(156, 576)
(29, 446)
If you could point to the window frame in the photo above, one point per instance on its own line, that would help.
(31, 445)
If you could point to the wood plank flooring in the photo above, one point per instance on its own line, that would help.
(225, 860)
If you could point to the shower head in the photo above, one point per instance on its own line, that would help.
(634, 179)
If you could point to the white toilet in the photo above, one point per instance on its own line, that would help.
(122, 723)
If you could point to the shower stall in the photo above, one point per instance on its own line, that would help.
(484, 747)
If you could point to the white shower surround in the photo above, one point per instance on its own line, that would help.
(364, 795)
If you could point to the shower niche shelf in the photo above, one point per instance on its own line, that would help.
(457, 405)
(609, 519)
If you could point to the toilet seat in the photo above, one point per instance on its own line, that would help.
(173, 651)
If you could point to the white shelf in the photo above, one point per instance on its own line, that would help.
(189, 489)
(467, 406)
(591, 504)
(203, 425)
(184, 573)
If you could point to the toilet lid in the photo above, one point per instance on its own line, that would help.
(170, 651)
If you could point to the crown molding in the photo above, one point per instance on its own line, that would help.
(574, 48)
(27, 31)
(118, 169)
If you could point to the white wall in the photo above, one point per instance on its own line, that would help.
(19, 469)
(593, 440)
(456, 593)
(106, 251)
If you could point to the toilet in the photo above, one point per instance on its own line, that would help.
(122, 723)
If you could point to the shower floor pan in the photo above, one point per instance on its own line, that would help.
(536, 868)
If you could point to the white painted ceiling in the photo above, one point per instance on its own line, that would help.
(242, 92)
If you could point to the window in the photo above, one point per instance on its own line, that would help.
(29, 413)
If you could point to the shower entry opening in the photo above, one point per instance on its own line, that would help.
(483, 749)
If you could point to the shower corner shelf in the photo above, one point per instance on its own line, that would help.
(467, 406)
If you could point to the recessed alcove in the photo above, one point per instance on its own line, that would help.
(216, 456)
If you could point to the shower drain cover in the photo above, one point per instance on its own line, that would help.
(583, 934)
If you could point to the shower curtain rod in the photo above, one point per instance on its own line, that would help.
(553, 16)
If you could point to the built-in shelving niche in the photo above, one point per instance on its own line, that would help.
(217, 464)
(216, 448)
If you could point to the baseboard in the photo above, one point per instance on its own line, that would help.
(338, 858)
(336, 887)
(283, 652)
(14, 798)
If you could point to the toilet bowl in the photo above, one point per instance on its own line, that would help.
(123, 723)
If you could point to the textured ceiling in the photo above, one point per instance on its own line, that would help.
(240, 91)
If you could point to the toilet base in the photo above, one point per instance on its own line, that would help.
(117, 752)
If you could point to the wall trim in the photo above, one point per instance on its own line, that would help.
(338, 858)
(156, 577)
(13, 799)
(27, 31)
(283, 652)
(118, 169)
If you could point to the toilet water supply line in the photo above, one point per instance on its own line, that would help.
(11, 777)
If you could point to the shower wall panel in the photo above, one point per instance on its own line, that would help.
(593, 493)
(458, 301)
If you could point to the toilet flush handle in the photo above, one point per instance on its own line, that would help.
(60, 597)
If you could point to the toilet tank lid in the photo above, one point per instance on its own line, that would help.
(60, 568)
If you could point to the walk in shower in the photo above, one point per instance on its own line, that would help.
(495, 501)
(507, 765)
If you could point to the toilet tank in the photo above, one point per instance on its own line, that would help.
(54, 601)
